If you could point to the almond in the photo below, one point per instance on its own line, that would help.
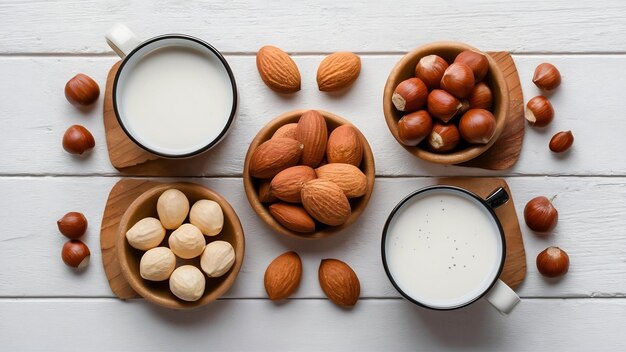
(265, 195)
(349, 178)
(313, 134)
(287, 184)
(339, 282)
(286, 131)
(293, 217)
(278, 70)
(325, 202)
(338, 71)
(273, 156)
(344, 146)
(282, 276)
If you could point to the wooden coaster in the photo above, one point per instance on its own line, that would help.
(514, 270)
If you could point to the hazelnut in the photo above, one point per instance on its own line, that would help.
(217, 258)
(444, 137)
(187, 241)
(207, 215)
(410, 95)
(443, 105)
(172, 207)
(561, 141)
(430, 70)
(157, 264)
(77, 140)
(75, 254)
(414, 127)
(476, 61)
(540, 215)
(481, 97)
(547, 76)
(146, 234)
(539, 111)
(553, 262)
(458, 80)
(477, 126)
(72, 225)
(187, 283)
(81, 90)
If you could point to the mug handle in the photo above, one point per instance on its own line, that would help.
(122, 40)
(502, 297)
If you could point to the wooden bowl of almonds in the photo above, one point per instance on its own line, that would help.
(309, 174)
(180, 245)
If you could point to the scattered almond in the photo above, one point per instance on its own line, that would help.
(293, 217)
(325, 202)
(273, 156)
(287, 184)
(339, 282)
(349, 178)
(312, 132)
(282, 276)
(338, 71)
(286, 131)
(278, 70)
(344, 146)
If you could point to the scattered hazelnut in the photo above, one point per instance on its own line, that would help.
(81, 90)
(540, 215)
(444, 137)
(414, 127)
(481, 97)
(157, 264)
(477, 126)
(458, 80)
(553, 262)
(443, 105)
(187, 283)
(207, 215)
(476, 61)
(547, 76)
(539, 111)
(561, 141)
(75, 254)
(146, 234)
(172, 207)
(73, 225)
(187, 241)
(77, 140)
(217, 258)
(410, 95)
(430, 70)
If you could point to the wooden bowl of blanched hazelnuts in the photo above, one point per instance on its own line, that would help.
(446, 102)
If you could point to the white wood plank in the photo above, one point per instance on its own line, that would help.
(319, 26)
(310, 325)
(590, 230)
(37, 114)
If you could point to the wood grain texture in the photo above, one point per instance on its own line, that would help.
(320, 26)
(311, 325)
(46, 120)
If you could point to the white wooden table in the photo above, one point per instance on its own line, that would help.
(45, 305)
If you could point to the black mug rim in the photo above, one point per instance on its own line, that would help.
(456, 189)
(231, 77)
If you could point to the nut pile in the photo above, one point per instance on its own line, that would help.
(446, 103)
(186, 241)
(80, 91)
(308, 176)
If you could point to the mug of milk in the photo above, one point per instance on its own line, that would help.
(443, 248)
(174, 95)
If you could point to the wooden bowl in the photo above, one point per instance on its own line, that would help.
(251, 184)
(158, 292)
(405, 69)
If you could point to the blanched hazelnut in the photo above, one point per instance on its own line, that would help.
(207, 215)
(172, 207)
(218, 257)
(157, 264)
(187, 241)
(414, 127)
(146, 234)
(187, 283)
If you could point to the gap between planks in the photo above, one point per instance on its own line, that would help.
(111, 298)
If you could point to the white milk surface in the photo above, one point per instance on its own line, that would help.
(176, 100)
(443, 249)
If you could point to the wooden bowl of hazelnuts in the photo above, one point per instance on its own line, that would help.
(446, 102)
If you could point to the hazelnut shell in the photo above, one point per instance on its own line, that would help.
(561, 141)
(77, 140)
(414, 127)
(430, 70)
(476, 61)
(540, 215)
(81, 90)
(552, 262)
(76, 254)
(477, 126)
(72, 225)
(458, 80)
(444, 137)
(547, 76)
(539, 111)
(410, 95)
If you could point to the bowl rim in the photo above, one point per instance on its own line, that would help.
(459, 156)
(207, 297)
(368, 164)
